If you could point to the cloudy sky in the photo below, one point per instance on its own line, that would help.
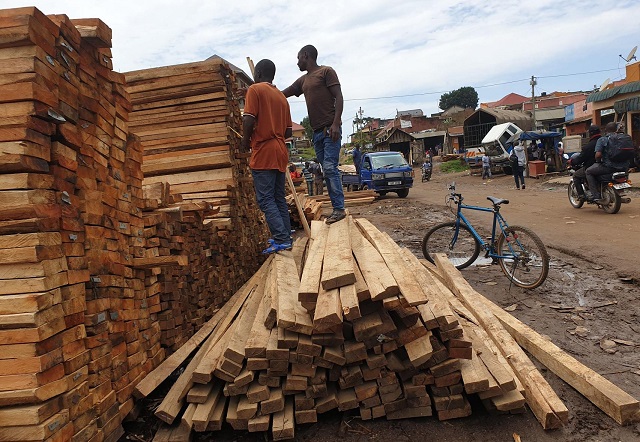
(389, 55)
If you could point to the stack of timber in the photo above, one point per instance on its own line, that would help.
(313, 205)
(190, 284)
(351, 199)
(189, 121)
(361, 325)
(347, 320)
(70, 341)
(85, 302)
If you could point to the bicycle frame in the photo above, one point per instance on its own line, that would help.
(498, 220)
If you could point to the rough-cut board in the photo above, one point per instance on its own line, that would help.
(379, 280)
(310, 280)
(407, 282)
(615, 402)
(337, 269)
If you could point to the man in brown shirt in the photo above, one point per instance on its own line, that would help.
(322, 93)
(265, 126)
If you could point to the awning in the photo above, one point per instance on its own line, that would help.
(627, 88)
(628, 105)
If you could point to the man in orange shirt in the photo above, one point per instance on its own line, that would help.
(265, 126)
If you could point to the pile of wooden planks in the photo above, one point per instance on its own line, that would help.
(188, 119)
(313, 205)
(348, 320)
(70, 339)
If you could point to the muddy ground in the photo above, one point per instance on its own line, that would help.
(591, 295)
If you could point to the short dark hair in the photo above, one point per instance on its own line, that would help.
(611, 127)
(266, 68)
(311, 51)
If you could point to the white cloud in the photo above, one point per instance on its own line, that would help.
(379, 48)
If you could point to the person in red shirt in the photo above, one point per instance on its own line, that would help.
(266, 124)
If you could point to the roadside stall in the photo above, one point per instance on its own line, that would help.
(542, 153)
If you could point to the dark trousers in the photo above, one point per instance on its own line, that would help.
(310, 187)
(518, 175)
(578, 179)
(270, 193)
(593, 172)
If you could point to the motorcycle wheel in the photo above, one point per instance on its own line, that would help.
(424, 178)
(574, 200)
(612, 200)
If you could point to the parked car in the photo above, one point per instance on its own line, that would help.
(382, 172)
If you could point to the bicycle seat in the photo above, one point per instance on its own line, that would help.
(497, 201)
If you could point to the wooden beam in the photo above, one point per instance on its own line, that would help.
(543, 401)
(611, 399)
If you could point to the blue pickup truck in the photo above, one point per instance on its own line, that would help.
(382, 172)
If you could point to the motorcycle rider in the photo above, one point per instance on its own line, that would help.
(603, 164)
(586, 157)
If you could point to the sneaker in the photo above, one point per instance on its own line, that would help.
(336, 216)
(523, 187)
(275, 247)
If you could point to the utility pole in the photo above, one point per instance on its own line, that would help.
(359, 113)
(533, 84)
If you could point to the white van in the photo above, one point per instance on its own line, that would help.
(494, 144)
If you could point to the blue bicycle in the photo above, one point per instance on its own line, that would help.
(520, 252)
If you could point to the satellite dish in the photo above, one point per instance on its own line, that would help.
(605, 84)
(631, 56)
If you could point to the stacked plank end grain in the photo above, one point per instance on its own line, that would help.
(75, 332)
(349, 321)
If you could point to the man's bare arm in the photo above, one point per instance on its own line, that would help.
(248, 123)
(288, 92)
(336, 91)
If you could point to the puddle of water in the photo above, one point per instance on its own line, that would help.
(482, 261)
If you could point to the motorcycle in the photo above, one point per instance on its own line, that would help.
(426, 172)
(612, 187)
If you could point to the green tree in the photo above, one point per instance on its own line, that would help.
(308, 131)
(464, 97)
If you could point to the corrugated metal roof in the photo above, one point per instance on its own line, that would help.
(420, 135)
(630, 104)
(628, 88)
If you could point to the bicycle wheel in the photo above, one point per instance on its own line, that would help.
(527, 262)
(440, 239)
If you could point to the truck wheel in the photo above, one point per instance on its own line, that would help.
(382, 193)
(364, 187)
(507, 170)
(402, 193)
(348, 187)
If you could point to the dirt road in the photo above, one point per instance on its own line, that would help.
(612, 240)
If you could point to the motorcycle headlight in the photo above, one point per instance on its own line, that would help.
(408, 174)
(377, 176)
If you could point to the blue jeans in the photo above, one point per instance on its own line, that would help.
(328, 154)
(270, 193)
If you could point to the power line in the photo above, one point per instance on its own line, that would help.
(419, 94)
(577, 73)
